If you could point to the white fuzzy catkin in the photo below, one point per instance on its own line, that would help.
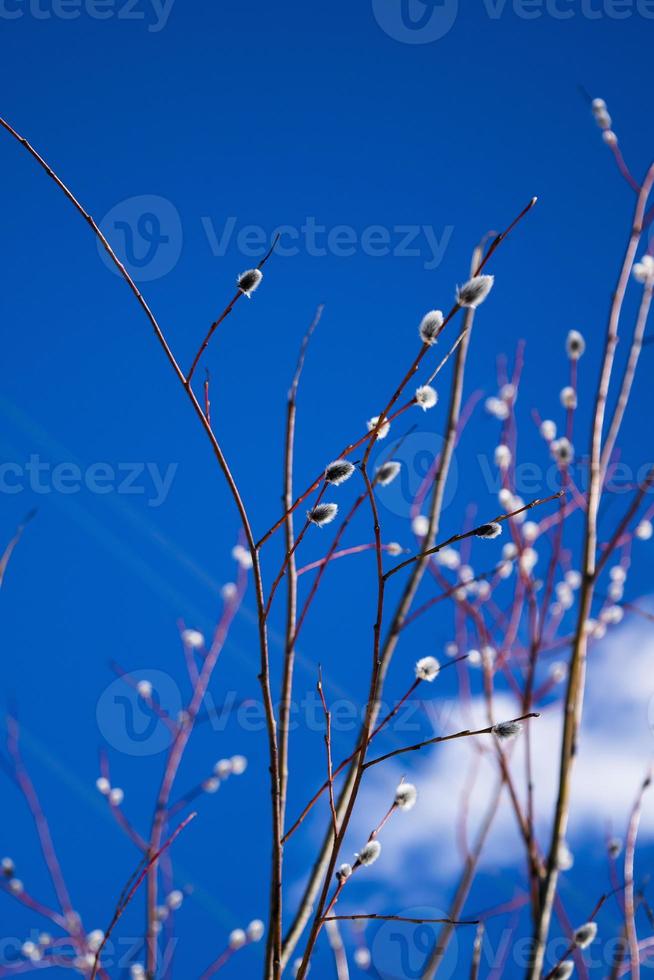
(144, 689)
(563, 971)
(448, 558)
(420, 525)
(562, 450)
(643, 271)
(426, 397)
(644, 531)
(601, 114)
(344, 872)
(430, 326)
(548, 429)
(94, 940)
(237, 938)
(369, 853)
(116, 796)
(387, 472)
(405, 796)
(239, 764)
(242, 556)
(383, 430)
(322, 514)
(507, 729)
(338, 472)
(8, 867)
(175, 899)
(362, 957)
(585, 934)
(394, 549)
(427, 669)
(575, 345)
(474, 291)
(193, 639)
(492, 530)
(497, 408)
(528, 560)
(255, 931)
(568, 397)
(249, 281)
(502, 457)
(31, 951)
(564, 857)
(103, 785)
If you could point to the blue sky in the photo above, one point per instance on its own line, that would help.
(194, 132)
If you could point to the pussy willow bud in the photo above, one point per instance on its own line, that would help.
(249, 281)
(475, 291)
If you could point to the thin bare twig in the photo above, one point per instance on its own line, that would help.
(122, 905)
(264, 676)
(466, 733)
(399, 918)
(328, 748)
(228, 309)
(473, 533)
(306, 904)
(576, 675)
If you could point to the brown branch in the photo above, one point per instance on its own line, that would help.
(264, 676)
(629, 904)
(9, 550)
(328, 748)
(474, 532)
(223, 316)
(400, 918)
(443, 738)
(384, 417)
(628, 376)
(291, 597)
(576, 674)
(305, 908)
(134, 888)
(338, 949)
(368, 725)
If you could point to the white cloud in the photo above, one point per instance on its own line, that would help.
(615, 750)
